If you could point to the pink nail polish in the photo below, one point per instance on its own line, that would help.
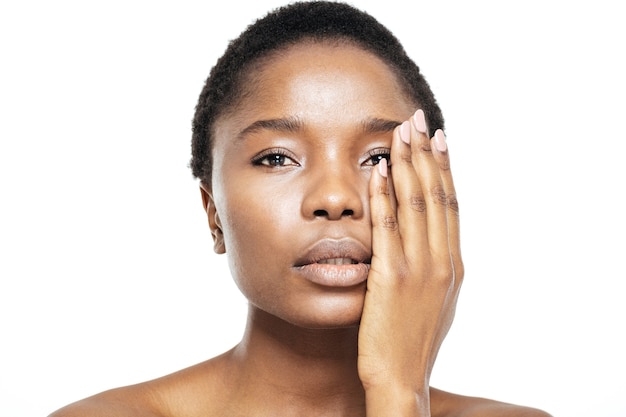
(405, 132)
(440, 141)
(382, 167)
(419, 121)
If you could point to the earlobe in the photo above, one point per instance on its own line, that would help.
(208, 203)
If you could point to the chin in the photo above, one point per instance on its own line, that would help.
(326, 324)
(317, 308)
(329, 313)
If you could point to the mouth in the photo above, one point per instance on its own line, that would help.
(345, 251)
(338, 261)
(335, 263)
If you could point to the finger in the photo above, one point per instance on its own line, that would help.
(442, 156)
(429, 175)
(386, 244)
(409, 195)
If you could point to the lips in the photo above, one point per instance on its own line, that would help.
(335, 263)
(338, 261)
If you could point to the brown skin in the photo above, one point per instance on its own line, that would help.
(320, 339)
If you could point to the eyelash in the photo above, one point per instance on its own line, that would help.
(268, 156)
(375, 155)
(276, 157)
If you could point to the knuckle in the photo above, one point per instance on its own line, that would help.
(425, 147)
(439, 195)
(443, 278)
(406, 157)
(382, 189)
(453, 203)
(417, 203)
(422, 148)
(390, 223)
(444, 164)
(459, 271)
(443, 272)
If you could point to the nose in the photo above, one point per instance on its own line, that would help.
(335, 193)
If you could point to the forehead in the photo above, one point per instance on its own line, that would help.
(318, 80)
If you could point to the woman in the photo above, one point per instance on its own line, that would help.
(336, 206)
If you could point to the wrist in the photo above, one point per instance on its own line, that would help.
(396, 400)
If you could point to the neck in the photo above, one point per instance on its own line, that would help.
(315, 366)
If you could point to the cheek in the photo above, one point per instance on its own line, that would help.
(259, 233)
(258, 223)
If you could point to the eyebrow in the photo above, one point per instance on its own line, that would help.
(294, 124)
(377, 125)
(289, 125)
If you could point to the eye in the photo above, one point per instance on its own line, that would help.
(377, 155)
(274, 158)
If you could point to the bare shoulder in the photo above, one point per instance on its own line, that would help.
(446, 404)
(119, 402)
(188, 392)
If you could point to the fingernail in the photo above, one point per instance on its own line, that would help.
(440, 141)
(382, 167)
(419, 121)
(405, 133)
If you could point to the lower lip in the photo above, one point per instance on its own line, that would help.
(330, 275)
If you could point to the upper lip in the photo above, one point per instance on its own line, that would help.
(325, 249)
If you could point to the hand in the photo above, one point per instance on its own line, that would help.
(416, 269)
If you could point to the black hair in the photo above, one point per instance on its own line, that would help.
(314, 21)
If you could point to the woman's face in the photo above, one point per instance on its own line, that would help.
(290, 180)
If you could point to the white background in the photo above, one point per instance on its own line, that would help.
(107, 275)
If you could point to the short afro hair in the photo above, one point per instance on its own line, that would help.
(316, 21)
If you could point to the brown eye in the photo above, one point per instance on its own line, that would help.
(377, 155)
(377, 158)
(273, 158)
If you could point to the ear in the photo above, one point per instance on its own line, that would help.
(214, 219)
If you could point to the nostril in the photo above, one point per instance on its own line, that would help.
(324, 213)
